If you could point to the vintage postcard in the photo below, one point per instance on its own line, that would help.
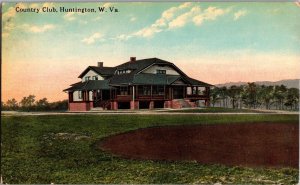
(150, 92)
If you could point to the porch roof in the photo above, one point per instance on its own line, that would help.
(90, 85)
(154, 79)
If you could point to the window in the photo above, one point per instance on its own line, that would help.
(158, 90)
(144, 90)
(194, 90)
(95, 78)
(159, 71)
(123, 71)
(79, 94)
(87, 78)
(123, 90)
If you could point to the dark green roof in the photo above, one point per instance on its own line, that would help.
(104, 71)
(134, 77)
(155, 79)
(90, 85)
(197, 82)
(121, 79)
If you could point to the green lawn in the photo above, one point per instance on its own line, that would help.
(217, 110)
(34, 152)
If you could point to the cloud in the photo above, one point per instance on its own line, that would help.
(33, 5)
(9, 26)
(38, 29)
(181, 20)
(11, 12)
(5, 34)
(48, 5)
(106, 5)
(132, 19)
(211, 13)
(69, 16)
(176, 17)
(239, 14)
(91, 39)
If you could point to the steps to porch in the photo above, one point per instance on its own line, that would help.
(182, 103)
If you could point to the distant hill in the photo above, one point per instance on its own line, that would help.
(288, 83)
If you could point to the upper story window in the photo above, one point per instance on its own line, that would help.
(95, 78)
(158, 90)
(87, 78)
(123, 71)
(159, 71)
(123, 90)
(144, 90)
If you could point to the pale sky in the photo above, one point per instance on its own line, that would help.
(43, 53)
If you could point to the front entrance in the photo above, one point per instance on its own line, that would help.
(178, 92)
(101, 98)
(105, 94)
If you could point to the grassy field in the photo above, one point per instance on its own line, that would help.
(217, 110)
(60, 149)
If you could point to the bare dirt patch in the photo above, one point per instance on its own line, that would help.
(251, 144)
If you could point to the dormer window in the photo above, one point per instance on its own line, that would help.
(159, 71)
(124, 71)
(87, 78)
(95, 78)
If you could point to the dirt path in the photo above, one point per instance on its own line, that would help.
(253, 144)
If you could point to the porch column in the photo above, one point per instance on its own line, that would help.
(197, 90)
(114, 105)
(151, 105)
(164, 91)
(133, 93)
(88, 95)
(83, 95)
(70, 96)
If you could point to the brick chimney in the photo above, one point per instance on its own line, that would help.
(132, 59)
(100, 64)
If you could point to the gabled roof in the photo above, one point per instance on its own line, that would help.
(134, 77)
(142, 64)
(103, 71)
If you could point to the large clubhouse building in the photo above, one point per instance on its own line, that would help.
(137, 84)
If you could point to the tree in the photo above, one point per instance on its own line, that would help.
(279, 95)
(292, 98)
(249, 96)
(12, 104)
(42, 104)
(266, 95)
(223, 95)
(214, 95)
(27, 102)
(234, 93)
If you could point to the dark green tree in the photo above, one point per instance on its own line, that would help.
(234, 93)
(292, 98)
(279, 95)
(249, 96)
(214, 95)
(27, 102)
(12, 104)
